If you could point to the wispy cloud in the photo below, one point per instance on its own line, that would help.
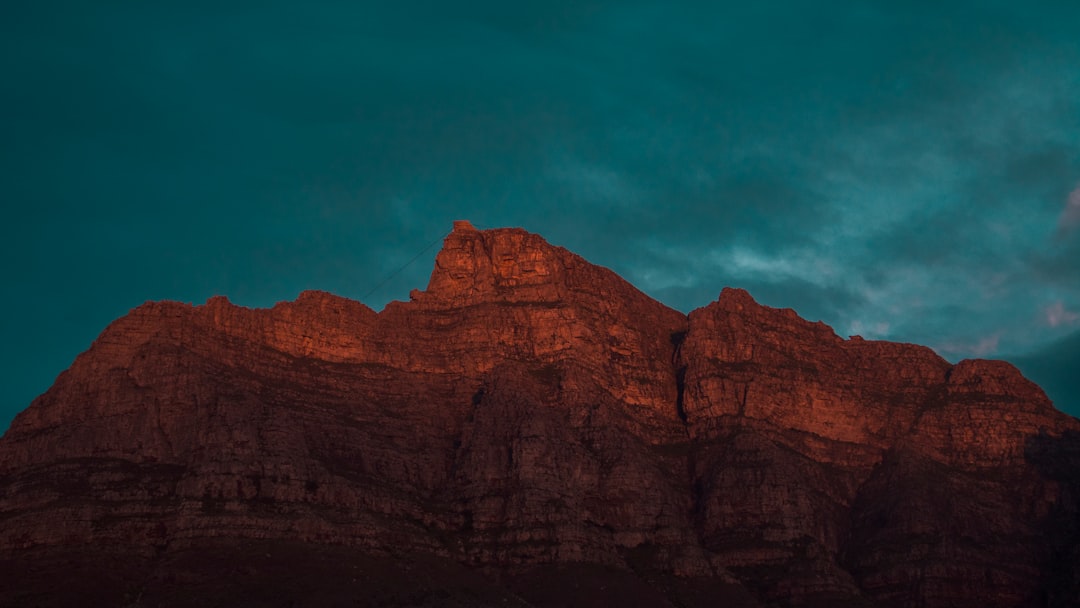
(1057, 315)
(1070, 215)
(981, 347)
(873, 330)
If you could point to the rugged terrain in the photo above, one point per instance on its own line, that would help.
(531, 430)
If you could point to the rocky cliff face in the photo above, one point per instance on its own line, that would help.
(531, 430)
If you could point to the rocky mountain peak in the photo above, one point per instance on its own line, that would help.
(507, 264)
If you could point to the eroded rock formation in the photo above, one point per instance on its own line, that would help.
(532, 430)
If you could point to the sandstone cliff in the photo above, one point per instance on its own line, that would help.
(531, 430)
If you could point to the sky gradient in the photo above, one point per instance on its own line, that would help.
(904, 171)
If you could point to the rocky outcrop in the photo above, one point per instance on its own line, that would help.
(538, 431)
(867, 469)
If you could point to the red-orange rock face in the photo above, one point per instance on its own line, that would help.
(535, 418)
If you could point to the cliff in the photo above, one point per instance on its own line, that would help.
(531, 430)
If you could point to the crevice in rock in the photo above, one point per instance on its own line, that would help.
(742, 400)
(677, 339)
(697, 489)
(680, 389)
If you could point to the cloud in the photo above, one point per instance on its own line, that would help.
(1056, 315)
(981, 347)
(1070, 215)
(873, 330)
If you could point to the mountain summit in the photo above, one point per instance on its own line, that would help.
(531, 430)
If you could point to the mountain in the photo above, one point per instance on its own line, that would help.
(531, 430)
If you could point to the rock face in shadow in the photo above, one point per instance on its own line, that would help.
(532, 430)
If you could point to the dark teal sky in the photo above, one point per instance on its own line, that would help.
(900, 170)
